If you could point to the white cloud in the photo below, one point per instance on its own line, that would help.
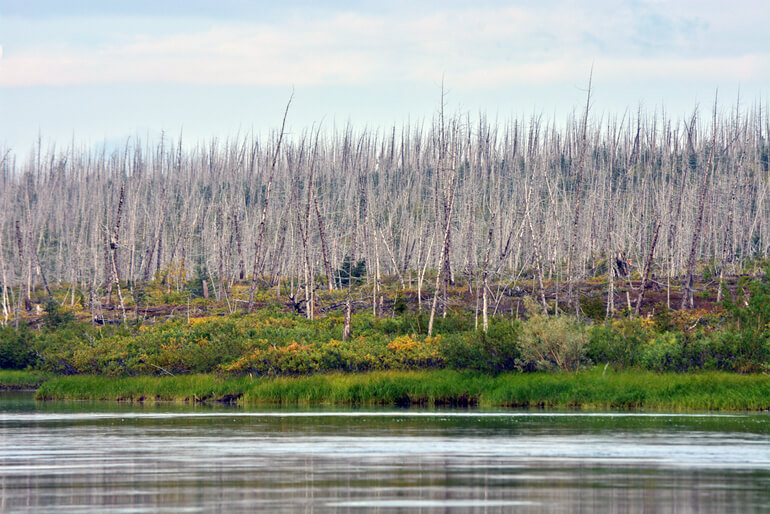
(474, 47)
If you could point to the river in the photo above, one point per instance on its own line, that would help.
(107, 457)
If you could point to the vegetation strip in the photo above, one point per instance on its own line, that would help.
(17, 380)
(592, 389)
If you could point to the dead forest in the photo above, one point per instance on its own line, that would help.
(457, 199)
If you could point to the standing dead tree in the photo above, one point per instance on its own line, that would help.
(571, 300)
(560, 201)
(114, 239)
(687, 284)
(265, 204)
(358, 201)
(647, 268)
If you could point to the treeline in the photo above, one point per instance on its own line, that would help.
(458, 198)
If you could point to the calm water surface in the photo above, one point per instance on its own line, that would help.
(97, 457)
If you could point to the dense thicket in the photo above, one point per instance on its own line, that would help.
(463, 195)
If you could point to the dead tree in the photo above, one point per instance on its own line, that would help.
(571, 300)
(687, 284)
(443, 253)
(266, 202)
(114, 250)
(347, 330)
(647, 268)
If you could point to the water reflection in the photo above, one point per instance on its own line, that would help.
(102, 457)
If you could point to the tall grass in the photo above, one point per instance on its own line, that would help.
(19, 379)
(591, 389)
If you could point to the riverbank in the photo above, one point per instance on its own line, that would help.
(592, 389)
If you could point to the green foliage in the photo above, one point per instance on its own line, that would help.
(662, 317)
(549, 343)
(18, 379)
(16, 351)
(663, 352)
(618, 342)
(274, 342)
(349, 272)
(55, 316)
(593, 307)
(493, 352)
(399, 305)
(748, 332)
(195, 286)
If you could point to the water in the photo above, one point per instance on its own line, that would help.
(76, 457)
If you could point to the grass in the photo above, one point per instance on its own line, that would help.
(585, 390)
(21, 380)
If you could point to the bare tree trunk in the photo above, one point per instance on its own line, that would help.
(23, 295)
(108, 276)
(346, 330)
(241, 267)
(485, 278)
(647, 268)
(265, 204)
(5, 299)
(114, 248)
(728, 231)
(571, 300)
(40, 271)
(324, 246)
(442, 255)
(687, 293)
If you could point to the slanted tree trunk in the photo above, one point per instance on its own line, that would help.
(324, 246)
(114, 252)
(687, 292)
(266, 202)
(442, 255)
(647, 268)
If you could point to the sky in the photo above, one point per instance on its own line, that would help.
(98, 72)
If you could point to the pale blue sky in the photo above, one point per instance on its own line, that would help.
(101, 70)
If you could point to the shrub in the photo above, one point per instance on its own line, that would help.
(16, 350)
(731, 350)
(55, 316)
(618, 342)
(662, 353)
(552, 342)
(593, 307)
(411, 352)
(493, 352)
(748, 335)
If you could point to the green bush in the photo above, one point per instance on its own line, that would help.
(16, 351)
(618, 342)
(493, 352)
(692, 351)
(550, 343)
(747, 338)
(662, 353)
(593, 307)
(55, 316)
(732, 350)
